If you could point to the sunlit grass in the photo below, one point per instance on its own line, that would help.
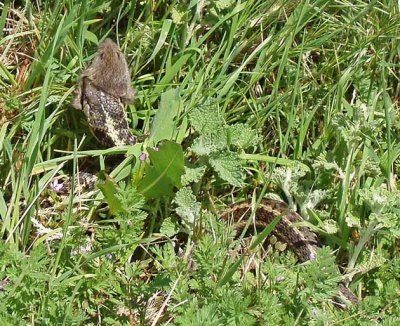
(318, 80)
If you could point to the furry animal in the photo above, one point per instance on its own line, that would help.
(103, 89)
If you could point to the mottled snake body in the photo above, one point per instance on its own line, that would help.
(301, 240)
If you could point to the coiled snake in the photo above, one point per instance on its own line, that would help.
(301, 240)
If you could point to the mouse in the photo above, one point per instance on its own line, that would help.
(103, 89)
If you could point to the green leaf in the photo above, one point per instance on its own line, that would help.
(178, 15)
(209, 143)
(232, 270)
(164, 173)
(3, 206)
(169, 227)
(223, 4)
(91, 37)
(164, 124)
(193, 175)
(228, 167)
(264, 234)
(330, 226)
(188, 207)
(109, 190)
(161, 40)
(243, 136)
(206, 118)
(173, 70)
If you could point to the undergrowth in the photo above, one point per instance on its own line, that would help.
(292, 100)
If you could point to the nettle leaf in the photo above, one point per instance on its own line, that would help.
(352, 221)
(242, 135)
(330, 226)
(206, 118)
(228, 167)
(188, 208)
(389, 221)
(165, 171)
(207, 144)
(164, 124)
(380, 199)
(215, 135)
(193, 175)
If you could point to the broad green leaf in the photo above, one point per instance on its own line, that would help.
(228, 166)
(163, 126)
(164, 173)
(209, 143)
(109, 190)
(91, 37)
(206, 118)
(193, 175)
(242, 135)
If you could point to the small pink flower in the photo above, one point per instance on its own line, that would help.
(313, 256)
(143, 157)
(55, 186)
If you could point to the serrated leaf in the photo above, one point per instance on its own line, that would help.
(193, 175)
(178, 15)
(206, 118)
(188, 208)
(169, 228)
(164, 125)
(223, 4)
(228, 167)
(164, 173)
(352, 221)
(243, 135)
(330, 226)
(207, 144)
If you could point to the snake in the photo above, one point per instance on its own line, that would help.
(300, 239)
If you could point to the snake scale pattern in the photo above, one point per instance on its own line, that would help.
(301, 240)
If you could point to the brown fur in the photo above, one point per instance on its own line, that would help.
(103, 89)
(108, 72)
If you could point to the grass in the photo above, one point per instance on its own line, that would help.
(292, 99)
